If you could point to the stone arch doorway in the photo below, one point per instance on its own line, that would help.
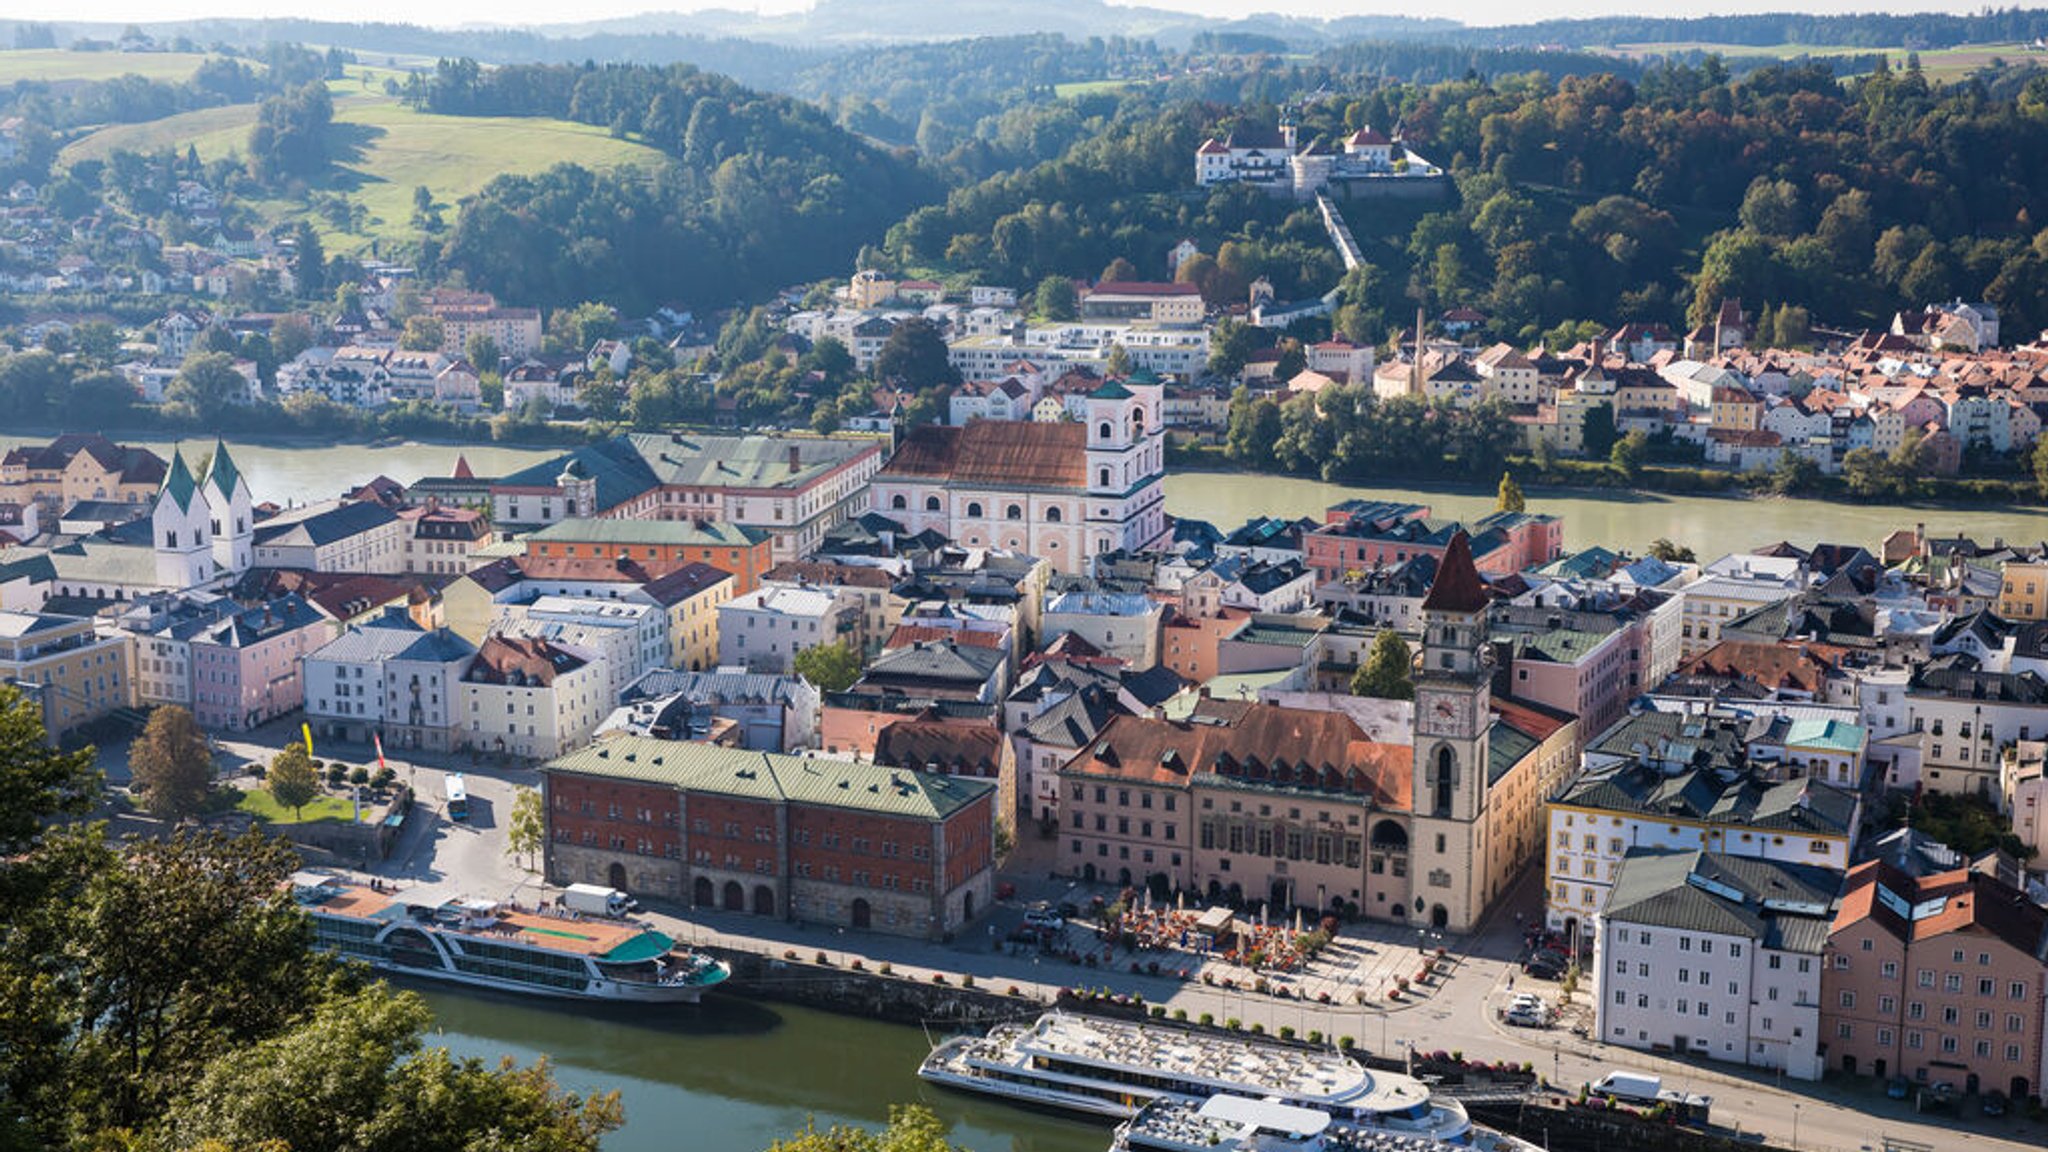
(702, 894)
(616, 874)
(863, 915)
(1439, 917)
(764, 900)
(967, 907)
(735, 897)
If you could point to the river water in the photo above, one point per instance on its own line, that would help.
(735, 1075)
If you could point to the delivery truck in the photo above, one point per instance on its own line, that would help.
(597, 900)
(1646, 1091)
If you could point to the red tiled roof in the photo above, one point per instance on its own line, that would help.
(995, 454)
(1457, 587)
(1261, 743)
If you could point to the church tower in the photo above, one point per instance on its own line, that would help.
(233, 514)
(1453, 698)
(181, 530)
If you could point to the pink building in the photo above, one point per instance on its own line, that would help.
(245, 668)
(1383, 535)
(1938, 978)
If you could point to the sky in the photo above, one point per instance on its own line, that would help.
(459, 12)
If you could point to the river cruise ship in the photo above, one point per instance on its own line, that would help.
(1243, 1124)
(490, 944)
(1114, 1068)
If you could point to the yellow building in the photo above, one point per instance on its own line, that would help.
(76, 468)
(691, 596)
(2023, 590)
(78, 675)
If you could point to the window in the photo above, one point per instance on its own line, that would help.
(1014, 512)
(931, 504)
(974, 508)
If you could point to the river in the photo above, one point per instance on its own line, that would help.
(1710, 525)
(734, 1075)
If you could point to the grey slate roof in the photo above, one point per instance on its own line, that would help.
(1784, 907)
(323, 526)
(1801, 807)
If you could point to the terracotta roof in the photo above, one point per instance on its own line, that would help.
(995, 454)
(911, 635)
(1945, 902)
(1457, 587)
(1261, 746)
(1143, 288)
(1803, 666)
(941, 745)
(520, 662)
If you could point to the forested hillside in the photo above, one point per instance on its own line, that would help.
(1586, 198)
(765, 190)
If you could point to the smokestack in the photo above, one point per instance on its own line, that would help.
(795, 465)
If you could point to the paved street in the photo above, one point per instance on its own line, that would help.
(1456, 1012)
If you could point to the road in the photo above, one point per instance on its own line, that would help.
(1455, 1013)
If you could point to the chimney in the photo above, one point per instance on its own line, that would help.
(795, 465)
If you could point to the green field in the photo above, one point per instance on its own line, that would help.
(257, 802)
(1089, 87)
(56, 65)
(392, 150)
(1938, 63)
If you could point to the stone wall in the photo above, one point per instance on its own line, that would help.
(897, 999)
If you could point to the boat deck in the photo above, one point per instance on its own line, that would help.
(1222, 1125)
(1301, 1074)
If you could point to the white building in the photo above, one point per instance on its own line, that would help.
(388, 676)
(1719, 956)
(531, 698)
(625, 638)
(333, 536)
(765, 629)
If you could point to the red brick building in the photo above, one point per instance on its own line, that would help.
(825, 841)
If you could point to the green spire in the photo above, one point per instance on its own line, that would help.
(222, 473)
(178, 482)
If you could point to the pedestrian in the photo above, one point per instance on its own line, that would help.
(1511, 981)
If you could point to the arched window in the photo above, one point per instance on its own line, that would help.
(974, 508)
(1052, 515)
(899, 501)
(931, 503)
(1446, 779)
(1104, 432)
(1102, 477)
(1014, 512)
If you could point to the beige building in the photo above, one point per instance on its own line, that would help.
(2023, 590)
(530, 698)
(76, 468)
(76, 675)
(691, 595)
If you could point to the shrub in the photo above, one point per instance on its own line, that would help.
(1315, 1036)
(319, 765)
(258, 771)
(858, 965)
(1158, 1012)
(1346, 1043)
(1016, 991)
(337, 775)
(1258, 1029)
(1287, 1031)
(1234, 1024)
(1206, 1019)
(885, 968)
(1180, 1014)
(789, 953)
(824, 959)
(359, 775)
(384, 778)
(967, 981)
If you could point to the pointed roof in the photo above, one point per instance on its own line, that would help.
(462, 471)
(1457, 587)
(178, 483)
(222, 473)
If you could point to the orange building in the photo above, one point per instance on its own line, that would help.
(747, 553)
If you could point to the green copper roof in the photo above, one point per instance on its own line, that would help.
(1142, 377)
(645, 946)
(178, 483)
(1110, 390)
(222, 473)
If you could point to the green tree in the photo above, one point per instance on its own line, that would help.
(1663, 549)
(527, 825)
(1231, 344)
(1509, 497)
(916, 354)
(171, 765)
(1119, 270)
(912, 1128)
(1598, 434)
(1388, 669)
(482, 352)
(2040, 461)
(1293, 361)
(309, 263)
(206, 384)
(1795, 473)
(603, 398)
(423, 333)
(1054, 299)
(1628, 454)
(37, 781)
(291, 780)
(831, 667)
(1119, 363)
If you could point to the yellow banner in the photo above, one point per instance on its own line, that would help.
(306, 730)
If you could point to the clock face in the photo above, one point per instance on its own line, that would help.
(1437, 715)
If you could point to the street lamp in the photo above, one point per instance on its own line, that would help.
(1795, 1126)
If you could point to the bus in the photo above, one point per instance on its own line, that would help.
(458, 797)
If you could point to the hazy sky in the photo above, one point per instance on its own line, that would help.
(453, 12)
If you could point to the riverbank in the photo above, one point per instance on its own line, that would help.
(1710, 524)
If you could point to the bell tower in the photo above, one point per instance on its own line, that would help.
(1453, 698)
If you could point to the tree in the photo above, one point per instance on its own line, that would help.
(1663, 549)
(1628, 454)
(1388, 669)
(423, 333)
(912, 1128)
(916, 354)
(291, 335)
(1598, 434)
(527, 826)
(206, 384)
(37, 782)
(1054, 299)
(291, 780)
(482, 352)
(171, 765)
(309, 263)
(831, 667)
(1119, 364)
(1231, 344)
(1119, 270)
(2041, 466)
(1509, 498)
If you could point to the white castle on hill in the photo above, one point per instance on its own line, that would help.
(1277, 163)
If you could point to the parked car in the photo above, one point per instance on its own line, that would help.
(1898, 1088)
(1525, 999)
(1528, 1018)
(1993, 1103)
(1935, 1097)
(1043, 918)
(1544, 967)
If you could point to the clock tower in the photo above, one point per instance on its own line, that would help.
(1453, 711)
